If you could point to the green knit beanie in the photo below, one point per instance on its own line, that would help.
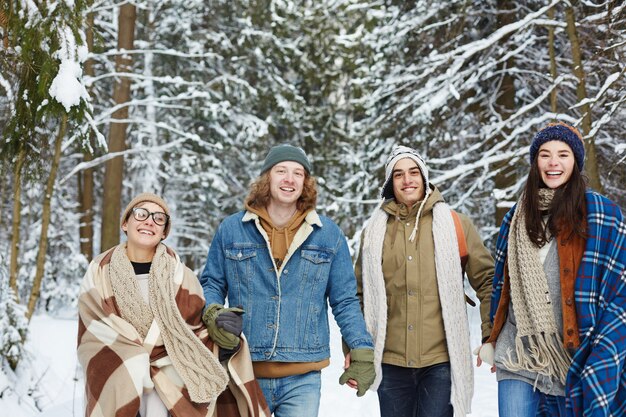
(286, 152)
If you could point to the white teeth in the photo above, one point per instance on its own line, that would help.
(288, 189)
(146, 232)
(553, 172)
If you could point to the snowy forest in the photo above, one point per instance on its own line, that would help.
(101, 100)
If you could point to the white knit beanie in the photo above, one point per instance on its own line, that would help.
(397, 153)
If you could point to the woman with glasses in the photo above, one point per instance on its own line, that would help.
(141, 340)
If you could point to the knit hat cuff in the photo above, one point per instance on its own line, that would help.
(285, 152)
(563, 133)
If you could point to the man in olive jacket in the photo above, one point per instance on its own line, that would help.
(411, 285)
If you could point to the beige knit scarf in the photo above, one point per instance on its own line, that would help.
(536, 324)
(200, 370)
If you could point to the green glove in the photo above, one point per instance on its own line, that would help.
(217, 331)
(361, 369)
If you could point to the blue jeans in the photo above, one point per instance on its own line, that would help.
(293, 396)
(519, 399)
(415, 392)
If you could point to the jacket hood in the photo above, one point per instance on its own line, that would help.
(393, 208)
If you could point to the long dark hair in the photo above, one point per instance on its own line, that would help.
(567, 211)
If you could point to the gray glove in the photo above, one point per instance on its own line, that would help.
(224, 325)
(230, 320)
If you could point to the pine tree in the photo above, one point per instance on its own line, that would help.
(13, 322)
(44, 42)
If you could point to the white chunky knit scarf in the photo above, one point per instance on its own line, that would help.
(451, 295)
(536, 324)
(203, 375)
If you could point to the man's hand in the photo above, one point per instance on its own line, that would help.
(224, 325)
(360, 372)
(346, 364)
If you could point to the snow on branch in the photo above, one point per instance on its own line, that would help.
(101, 160)
(610, 80)
(464, 52)
(67, 87)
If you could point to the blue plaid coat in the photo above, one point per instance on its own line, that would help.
(596, 381)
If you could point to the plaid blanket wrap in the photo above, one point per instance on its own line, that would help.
(596, 380)
(119, 366)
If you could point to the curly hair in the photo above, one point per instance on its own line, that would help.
(259, 195)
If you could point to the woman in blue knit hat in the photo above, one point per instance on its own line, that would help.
(559, 299)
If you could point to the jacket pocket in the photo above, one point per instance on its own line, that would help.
(240, 253)
(312, 326)
(433, 336)
(317, 256)
(240, 266)
(315, 267)
(395, 341)
(241, 262)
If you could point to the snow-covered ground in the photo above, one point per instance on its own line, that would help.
(51, 369)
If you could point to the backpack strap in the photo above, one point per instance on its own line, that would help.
(460, 237)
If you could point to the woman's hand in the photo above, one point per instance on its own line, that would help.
(486, 353)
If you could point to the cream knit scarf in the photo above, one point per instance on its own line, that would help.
(451, 295)
(200, 370)
(536, 324)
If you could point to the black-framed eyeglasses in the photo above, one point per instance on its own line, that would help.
(141, 214)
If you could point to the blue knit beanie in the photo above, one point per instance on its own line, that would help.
(564, 133)
(286, 152)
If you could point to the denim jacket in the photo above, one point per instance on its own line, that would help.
(286, 317)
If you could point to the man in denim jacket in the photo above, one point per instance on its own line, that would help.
(283, 264)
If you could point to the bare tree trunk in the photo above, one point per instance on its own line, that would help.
(551, 51)
(111, 205)
(17, 219)
(45, 220)
(85, 178)
(591, 163)
(4, 24)
(85, 199)
(148, 173)
(505, 105)
(3, 191)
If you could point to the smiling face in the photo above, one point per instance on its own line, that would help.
(408, 183)
(145, 234)
(555, 161)
(286, 183)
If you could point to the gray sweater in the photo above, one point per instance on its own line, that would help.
(506, 339)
